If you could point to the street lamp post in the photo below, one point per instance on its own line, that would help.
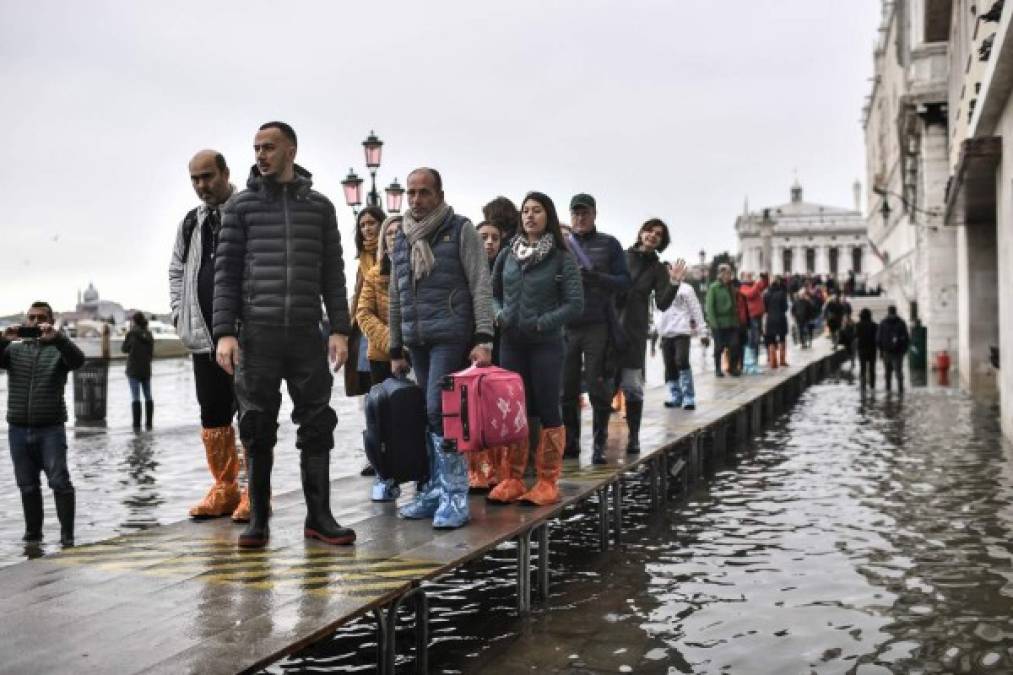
(352, 185)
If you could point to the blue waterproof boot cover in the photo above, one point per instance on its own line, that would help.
(384, 490)
(452, 471)
(674, 394)
(688, 393)
(749, 361)
(427, 495)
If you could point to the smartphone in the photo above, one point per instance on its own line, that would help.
(29, 332)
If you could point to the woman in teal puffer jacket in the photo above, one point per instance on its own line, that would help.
(536, 289)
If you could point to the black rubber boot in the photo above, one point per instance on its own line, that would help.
(135, 410)
(316, 487)
(65, 512)
(149, 413)
(634, 411)
(600, 430)
(571, 420)
(258, 479)
(31, 503)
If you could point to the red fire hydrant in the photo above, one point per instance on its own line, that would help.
(943, 361)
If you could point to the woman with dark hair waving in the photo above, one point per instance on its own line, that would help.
(536, 290)
(649, 275)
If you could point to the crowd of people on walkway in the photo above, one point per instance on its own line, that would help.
(258, 296)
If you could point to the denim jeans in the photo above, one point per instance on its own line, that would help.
(431, 364)
(755, 331)
(37, 449)
(538, 365)
(136, 386)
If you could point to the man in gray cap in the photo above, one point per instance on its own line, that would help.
(602, 265)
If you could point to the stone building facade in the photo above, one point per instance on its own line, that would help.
(804, 238)
(979, 196)
(906, 137)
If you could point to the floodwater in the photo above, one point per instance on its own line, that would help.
(856, 535)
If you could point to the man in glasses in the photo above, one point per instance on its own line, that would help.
(37, 358)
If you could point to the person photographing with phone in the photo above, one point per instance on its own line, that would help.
(37, 358)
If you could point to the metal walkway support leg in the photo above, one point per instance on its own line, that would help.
(603, 518)
(756, 417)
(617, 509)
(387, 629)
(720, 441)
(653, 480)
(524, 572)
(543, 562)
(695, 459)
(663, 475)
(741, 426)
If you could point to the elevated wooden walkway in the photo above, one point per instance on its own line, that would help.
(182, 599)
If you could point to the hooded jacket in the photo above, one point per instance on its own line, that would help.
(684, 308)
(184, 302)
(279, 256)
(720, 306)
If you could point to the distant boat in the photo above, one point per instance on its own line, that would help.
(88, 335)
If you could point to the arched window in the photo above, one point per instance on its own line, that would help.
(786, 261)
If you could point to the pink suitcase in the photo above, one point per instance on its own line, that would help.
(483, 408)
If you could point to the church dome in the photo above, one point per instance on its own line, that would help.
(90, 294)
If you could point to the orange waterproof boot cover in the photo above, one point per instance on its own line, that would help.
(242, 512)
(511, 486)
(548, 464)
(479, 469)
(783, 348)
(223, 462)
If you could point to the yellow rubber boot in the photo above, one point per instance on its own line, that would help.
(223, 462)
(548, 464)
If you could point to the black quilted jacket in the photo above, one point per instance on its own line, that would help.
(278, 257)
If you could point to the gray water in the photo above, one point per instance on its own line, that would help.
(858, 535)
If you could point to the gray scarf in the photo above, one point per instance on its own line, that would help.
(528, 254)
(418, 232)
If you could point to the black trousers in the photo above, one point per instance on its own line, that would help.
(215, 392)
(538, 365)
(893, 364)
(867, 371)
(585, 356)
(298, 355)
(727, 338)
(675, 354)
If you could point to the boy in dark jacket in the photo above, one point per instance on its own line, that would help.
(893, 341)
(865, 342)
(37, 370)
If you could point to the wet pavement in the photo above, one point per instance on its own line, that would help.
(865, 535)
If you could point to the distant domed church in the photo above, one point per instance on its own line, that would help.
(91, 306)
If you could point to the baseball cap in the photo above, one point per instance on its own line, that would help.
(582, 199)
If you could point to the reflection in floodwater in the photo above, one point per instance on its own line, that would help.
(866, 534)
(140, 485)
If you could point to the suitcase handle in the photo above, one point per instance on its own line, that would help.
(447, 383)
(465, 422)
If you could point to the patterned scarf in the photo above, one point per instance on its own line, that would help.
(528, 254)
(418, 233)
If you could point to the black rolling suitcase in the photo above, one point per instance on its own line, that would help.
(395, 435)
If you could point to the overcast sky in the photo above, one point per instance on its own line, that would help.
(658, 108)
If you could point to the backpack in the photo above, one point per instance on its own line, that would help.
(189, 225)
(395, 434)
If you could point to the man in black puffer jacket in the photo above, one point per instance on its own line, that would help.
(893, 341)
(36, 411)
(278, 256)
(602, 263)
